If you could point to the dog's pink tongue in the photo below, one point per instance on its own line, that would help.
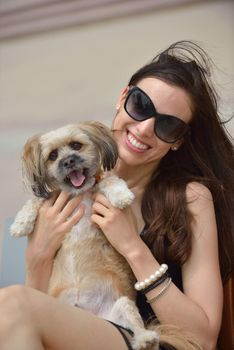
(77, 179)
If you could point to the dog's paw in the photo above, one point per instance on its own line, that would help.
(116, 191)
(19, 228)
(145, 339)
(120, 196)
(25, 219)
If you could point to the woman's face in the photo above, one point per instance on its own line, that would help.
(137, 142)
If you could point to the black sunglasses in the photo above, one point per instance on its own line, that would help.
(139, 106)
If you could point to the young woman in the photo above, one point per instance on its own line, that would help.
(176, 157)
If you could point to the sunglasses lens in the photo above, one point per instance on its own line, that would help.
(169, 128)
(138, 105)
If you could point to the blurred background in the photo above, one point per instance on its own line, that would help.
(62, 61)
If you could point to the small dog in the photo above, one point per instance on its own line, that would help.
(88, 272)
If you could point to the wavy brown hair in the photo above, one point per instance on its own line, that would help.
(206, 156)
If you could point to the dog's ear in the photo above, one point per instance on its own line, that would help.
(33, 168)
(106, 145)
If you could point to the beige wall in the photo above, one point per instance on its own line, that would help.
(51, 79)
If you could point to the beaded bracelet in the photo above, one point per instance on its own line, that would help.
(156, 283)
(152, 278)
(162, 291)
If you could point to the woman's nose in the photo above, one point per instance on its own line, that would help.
(146, 127)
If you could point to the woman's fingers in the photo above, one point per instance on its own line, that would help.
(57, 200)
(97, 220)
(100, 198)
(50, 201)
(70, 206)
(100, 209)
(61, 201)
(75, 217)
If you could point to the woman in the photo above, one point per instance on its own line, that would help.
(178, 160)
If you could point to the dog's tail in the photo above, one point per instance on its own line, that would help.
(174, 338)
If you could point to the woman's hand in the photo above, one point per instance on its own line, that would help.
(55, 219)
(118, 225)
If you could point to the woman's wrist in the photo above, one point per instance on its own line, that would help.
(141, 261)
(38, 272)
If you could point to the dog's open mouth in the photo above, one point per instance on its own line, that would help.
(76, 178)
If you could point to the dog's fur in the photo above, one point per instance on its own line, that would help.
(87, 271)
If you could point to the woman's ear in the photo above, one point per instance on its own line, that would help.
(175, 146)
(122, 97)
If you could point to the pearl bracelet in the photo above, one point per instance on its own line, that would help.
(152, 278)
(155, 284)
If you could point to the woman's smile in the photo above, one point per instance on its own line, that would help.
(135, 144)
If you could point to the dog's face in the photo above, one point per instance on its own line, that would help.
(69, 158)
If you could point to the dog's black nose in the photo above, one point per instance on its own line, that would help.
(69, 162)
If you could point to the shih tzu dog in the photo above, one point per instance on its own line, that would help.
(87, 271)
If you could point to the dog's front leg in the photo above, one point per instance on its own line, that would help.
(116, 191)
(25, 219)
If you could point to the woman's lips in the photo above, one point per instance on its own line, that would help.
(135, 144)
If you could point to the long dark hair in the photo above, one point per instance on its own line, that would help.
(206, 156)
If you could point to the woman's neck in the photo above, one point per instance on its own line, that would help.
(135, 176)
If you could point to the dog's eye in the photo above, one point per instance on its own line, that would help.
(53, 155)
(75, 145)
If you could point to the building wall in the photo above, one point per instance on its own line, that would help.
(59, 77)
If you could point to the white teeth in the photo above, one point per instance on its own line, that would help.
(136, 143)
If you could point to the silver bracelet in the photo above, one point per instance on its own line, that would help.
(160, 292)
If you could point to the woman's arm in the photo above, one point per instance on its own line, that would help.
(55, 219)
(197, 310)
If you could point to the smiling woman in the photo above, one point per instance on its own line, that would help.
(141, 104)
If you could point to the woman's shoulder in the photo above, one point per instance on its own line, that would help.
(198, 197)
(196, 191)
(201, 207)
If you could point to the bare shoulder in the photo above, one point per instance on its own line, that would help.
(199, 199)
(197, 192)
(201, 207)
